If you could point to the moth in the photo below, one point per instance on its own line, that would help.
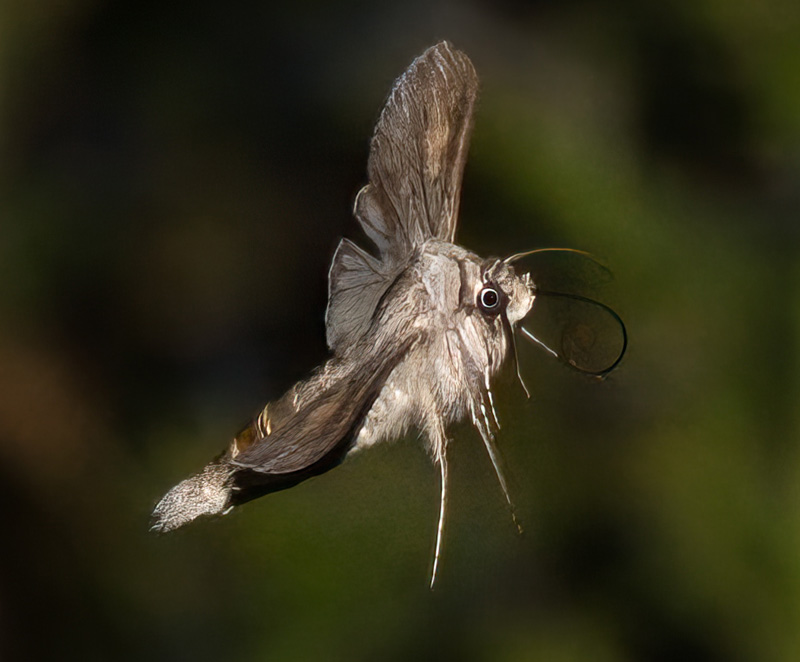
(417, 332)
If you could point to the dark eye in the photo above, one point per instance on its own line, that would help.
(489, 299)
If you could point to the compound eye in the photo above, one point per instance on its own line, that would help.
(489, 300)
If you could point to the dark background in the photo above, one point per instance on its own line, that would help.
(174, 178)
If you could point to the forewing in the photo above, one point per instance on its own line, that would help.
(417, 154)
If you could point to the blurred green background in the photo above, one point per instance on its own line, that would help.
(174, 178)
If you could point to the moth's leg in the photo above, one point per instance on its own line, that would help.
(494, 456)
(441, 460)
(491, 399)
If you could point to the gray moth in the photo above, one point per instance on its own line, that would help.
(417, 333)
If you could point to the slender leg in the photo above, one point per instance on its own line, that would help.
(494, 455)
(442, 461)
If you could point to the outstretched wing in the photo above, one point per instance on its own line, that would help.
(415, 169)
(305, 433)
(418, 152)
(312, 435)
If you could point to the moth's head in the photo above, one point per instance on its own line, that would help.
(502, 290)
(486, 299)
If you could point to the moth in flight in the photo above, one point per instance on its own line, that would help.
(417, 332)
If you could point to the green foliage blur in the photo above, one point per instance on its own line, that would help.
(174, 178)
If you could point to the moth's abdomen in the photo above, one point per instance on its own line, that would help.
(206, 493)
(222, 485)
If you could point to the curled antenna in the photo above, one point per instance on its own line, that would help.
(519, 256)
(599, 264)
(601, 374)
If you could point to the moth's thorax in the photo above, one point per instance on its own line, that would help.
(446, 374)
(417, 329)
(454, 276)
